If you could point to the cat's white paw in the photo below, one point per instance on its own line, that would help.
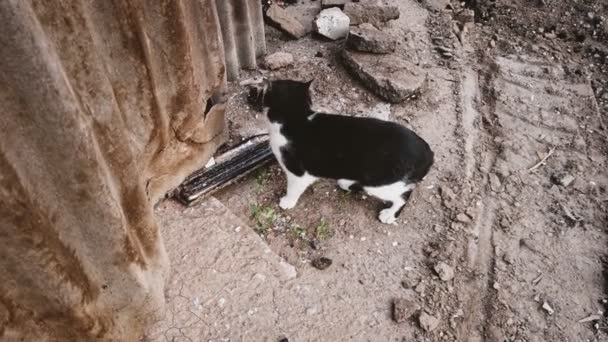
(287, 203)
(387, 216)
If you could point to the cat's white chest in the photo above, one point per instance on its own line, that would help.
(277, 139)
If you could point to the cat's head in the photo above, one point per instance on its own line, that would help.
(284, 99)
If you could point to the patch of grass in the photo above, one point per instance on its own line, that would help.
(264, 216)
(323, 230)
(298, 232)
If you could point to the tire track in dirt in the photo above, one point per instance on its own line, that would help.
(477, 293)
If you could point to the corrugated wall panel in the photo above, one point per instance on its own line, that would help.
(242, 26)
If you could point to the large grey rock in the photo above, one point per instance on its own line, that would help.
(367, 38)
(436, 5)
(373, 14)
(334, 3)
(332, 23)
(305, 14)
(285, 21)
(388, 76)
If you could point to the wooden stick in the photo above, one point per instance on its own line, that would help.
(542, 161)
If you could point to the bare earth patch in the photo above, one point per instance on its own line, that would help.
(505, 240)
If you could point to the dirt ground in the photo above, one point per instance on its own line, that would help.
(528, 81)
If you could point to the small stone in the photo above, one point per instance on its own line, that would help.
(367, 38)
(408, 283)
(562, 178)
(444, 271)
(278, 60)
(590, 318)
(321, 263)
(285, 21)
(388, 76)
(420, 288)
(428, 322)
(369, 13)
(465, 16)
(436, 5)
(550, 35)
(332, 23)
(508, 258)
(548, 308)
(464, 218)
(495, 183)
(492, 43)
(403, 309)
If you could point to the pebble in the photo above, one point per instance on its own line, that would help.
(420, 288)
(403, 309)
(321, 263)
(444, 271)
(278, 60)
(508, 258)
(464, 218)
(548, 308)
(428, 322)
(563, 179)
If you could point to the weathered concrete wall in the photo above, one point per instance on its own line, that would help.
(243, 34)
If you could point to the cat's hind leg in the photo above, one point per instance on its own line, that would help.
(296, 185)
(396, 194)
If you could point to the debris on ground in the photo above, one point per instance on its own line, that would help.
(548, 308)
(332, 23)
(465, 16)
(369, 13)
(390, 77)
(463, 217)
(444, 271)
(590, 318)
(428, 322)
(562, 178)
(542, 161)
(367, 38)
(321, 263)
(403, 309)
(280, 17)
(278, 60)
(495, 183)
(436, 5)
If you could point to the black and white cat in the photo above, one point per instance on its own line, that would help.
(382, 158)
